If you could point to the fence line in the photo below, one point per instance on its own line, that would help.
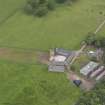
(99, 27)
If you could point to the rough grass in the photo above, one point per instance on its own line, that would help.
(65, 27)
(22, 84)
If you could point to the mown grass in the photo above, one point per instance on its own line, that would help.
(64, 27)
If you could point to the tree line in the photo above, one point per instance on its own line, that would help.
(42, 7)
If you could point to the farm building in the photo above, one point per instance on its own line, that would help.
(96, 54)
(100, 76)
(60, 59)
(90, 67)
(93, 70)
(97, 72)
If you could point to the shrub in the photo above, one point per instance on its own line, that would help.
(41, 11)
(90, 39)
(61, 1)
(51, 4)
(41, 7)
(33, 3)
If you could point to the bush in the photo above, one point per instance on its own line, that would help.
(41, 11)
(41, 7)
(33, 3)
(90, 39)
(61, 1)
(96, 41)
(51, 4)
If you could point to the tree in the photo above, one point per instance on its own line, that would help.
(42, 7)
(37, 7)
(90, 39)
(51, 4)
(41, 11)
(94, 40)
(61, 1)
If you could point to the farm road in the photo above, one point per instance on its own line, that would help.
(86, 85)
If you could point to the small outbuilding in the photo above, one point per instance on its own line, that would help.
(96, 54)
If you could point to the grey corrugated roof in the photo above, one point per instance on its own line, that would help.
(63, 52)
(100, 76)
(58, 63)
(88, 68)
(54, 68)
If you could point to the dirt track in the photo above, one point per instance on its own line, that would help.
(86, 85)
(17, 55)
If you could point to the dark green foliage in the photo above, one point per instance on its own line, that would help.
(96, 41)
(41, 7)
(90, 39)
(61, 1)
(65, 1)
(37, 7)
(51, 4)
(41, 11)
(94, 97)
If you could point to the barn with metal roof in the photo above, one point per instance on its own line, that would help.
(91, 66)
(60, 59)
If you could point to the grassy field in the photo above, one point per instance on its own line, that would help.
(24, 84)
(61, 28)
(17, 81)
(9, 8)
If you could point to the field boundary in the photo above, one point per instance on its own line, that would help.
(100, 27)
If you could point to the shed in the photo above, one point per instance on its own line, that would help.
(91, 66)
(63, 52)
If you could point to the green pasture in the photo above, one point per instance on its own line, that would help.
(65, 27)
(25, 84)
(22, 84)
(9, 8)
